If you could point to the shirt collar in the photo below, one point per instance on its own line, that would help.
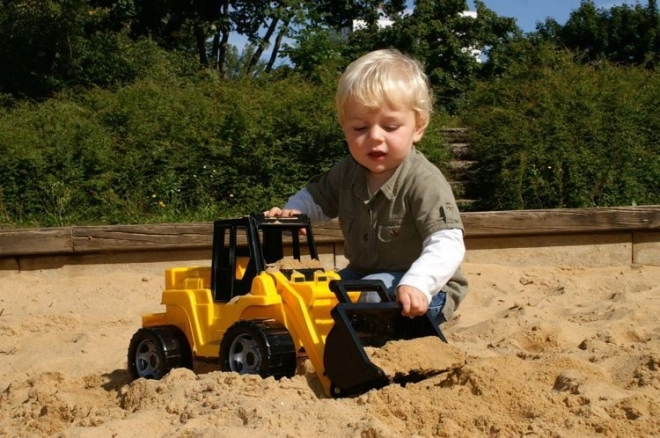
(391, 187)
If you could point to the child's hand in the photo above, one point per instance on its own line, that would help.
(278, 212)
(413, 301)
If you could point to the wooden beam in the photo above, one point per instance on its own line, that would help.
(35, 241)
(126, 238)
(561, 221)
(142, 237)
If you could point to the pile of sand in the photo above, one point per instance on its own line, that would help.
(546, 351)
(427, 356)
(289, 263)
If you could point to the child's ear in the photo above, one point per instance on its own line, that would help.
(419, 131)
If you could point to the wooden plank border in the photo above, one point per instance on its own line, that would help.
(561, 221)
(195, 236)
(36, 241)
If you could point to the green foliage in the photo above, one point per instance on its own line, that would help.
(171, 147)
(281, 133)
(435, 33)
(168, 147)
(434, 145)
(315, 49)
(622, 34)
(556, 134)
(51, 45)
(100, 124)
(49, 162)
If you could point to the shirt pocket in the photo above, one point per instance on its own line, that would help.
(397, 231)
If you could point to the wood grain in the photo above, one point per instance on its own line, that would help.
(127, 238)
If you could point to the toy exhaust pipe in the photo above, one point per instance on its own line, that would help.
(359, 325)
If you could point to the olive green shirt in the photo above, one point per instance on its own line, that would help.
(386, 231)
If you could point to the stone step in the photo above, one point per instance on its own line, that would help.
(460, 151)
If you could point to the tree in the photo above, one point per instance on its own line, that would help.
(206, 26)
(174, 24)
(50, 45)
(623, 34)
(261, 21)
(442, 37)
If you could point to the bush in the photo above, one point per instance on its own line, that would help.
(170, 148)
(555, 134)
(52, 157)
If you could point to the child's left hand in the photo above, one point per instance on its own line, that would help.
(413, 301)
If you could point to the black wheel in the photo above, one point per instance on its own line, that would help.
(154, 351)
(261, 347)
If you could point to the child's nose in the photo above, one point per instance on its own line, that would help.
(376, 133)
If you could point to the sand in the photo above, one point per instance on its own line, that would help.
(544, 352)
(426, 356)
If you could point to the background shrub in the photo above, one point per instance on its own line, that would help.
(176, 145)
(557, 134)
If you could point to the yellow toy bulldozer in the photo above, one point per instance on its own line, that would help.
(249, 316)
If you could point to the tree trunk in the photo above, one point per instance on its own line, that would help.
(224, 29)
(200, 40)
(260, 49)
(276, 47)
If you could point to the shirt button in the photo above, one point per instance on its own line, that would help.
(365, 237)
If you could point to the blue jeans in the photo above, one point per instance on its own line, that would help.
(391, 280)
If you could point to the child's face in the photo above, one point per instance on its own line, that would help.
(380, 139)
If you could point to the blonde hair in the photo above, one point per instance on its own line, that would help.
(386, 77)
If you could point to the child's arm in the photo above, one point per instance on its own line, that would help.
(441, 256)
(301, 202)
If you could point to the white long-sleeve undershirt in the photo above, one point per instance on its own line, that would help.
(442, 254)
(304, 203)
(442, 251)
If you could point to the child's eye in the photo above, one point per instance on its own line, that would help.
(391, 128)
(359, 128)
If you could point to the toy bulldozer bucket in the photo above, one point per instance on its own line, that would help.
(359, 325)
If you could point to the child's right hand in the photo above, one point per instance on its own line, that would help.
(278, 212)
(413, 301)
